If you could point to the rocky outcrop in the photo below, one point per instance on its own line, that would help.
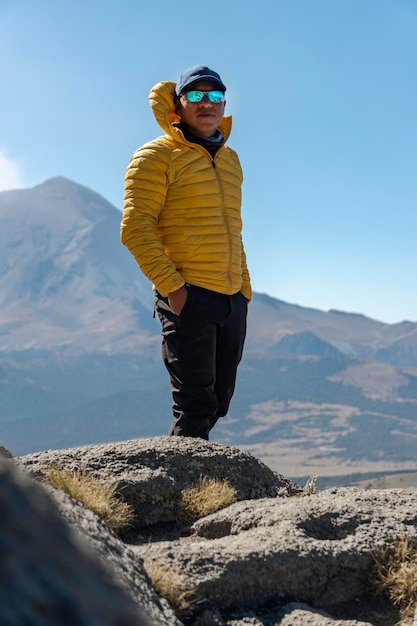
(48, 574)
(125, 565)
(151, 473)
(277, 556)
(316, 549)
(4, 453)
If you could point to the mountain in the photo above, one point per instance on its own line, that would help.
(352, 334)
(324, 392)
(65, 279)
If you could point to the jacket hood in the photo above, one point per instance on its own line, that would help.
(162, 101)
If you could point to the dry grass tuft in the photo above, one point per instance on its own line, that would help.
(169, 584)
(396, 574)
(93, 493)
(310, 487)
(208, 496)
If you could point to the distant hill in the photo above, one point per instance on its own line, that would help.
(318, 391)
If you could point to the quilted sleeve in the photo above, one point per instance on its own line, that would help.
(146, 185)
(246, 288)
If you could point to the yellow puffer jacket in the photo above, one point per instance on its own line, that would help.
(176, 234)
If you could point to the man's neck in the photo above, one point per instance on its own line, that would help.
(212, 144)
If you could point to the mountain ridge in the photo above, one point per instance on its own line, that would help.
(78, 259)
(80, 353)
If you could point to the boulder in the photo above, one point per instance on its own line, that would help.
(125, 565)
(280, 555)
(152, 472)
(315, 549)
(4, 453)
(303, 615)
(291, 614)
(48, 575)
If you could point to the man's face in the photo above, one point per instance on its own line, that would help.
(202, 117)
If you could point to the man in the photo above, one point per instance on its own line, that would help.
(182, 223)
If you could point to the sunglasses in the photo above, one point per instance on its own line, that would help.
(197, 96)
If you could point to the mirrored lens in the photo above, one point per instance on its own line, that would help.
(197, 96)
(215, 96)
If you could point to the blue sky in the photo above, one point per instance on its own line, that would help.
(323, 95)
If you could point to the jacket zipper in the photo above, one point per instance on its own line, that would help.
(219, 182)
(213, 163)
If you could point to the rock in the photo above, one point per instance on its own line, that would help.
(292, 614)
(125, 564)
(303, 615)
(276, 557)
(315, 549)
(152, 472)
(344, 513)
(48, 575)
(4, 453)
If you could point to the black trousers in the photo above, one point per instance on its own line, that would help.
(202, 348)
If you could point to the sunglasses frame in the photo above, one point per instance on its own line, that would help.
(204, 93)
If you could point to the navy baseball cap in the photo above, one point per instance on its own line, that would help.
(195, 75)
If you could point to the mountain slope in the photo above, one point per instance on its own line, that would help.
(318, 391)
(65, 279)
(351, 333)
